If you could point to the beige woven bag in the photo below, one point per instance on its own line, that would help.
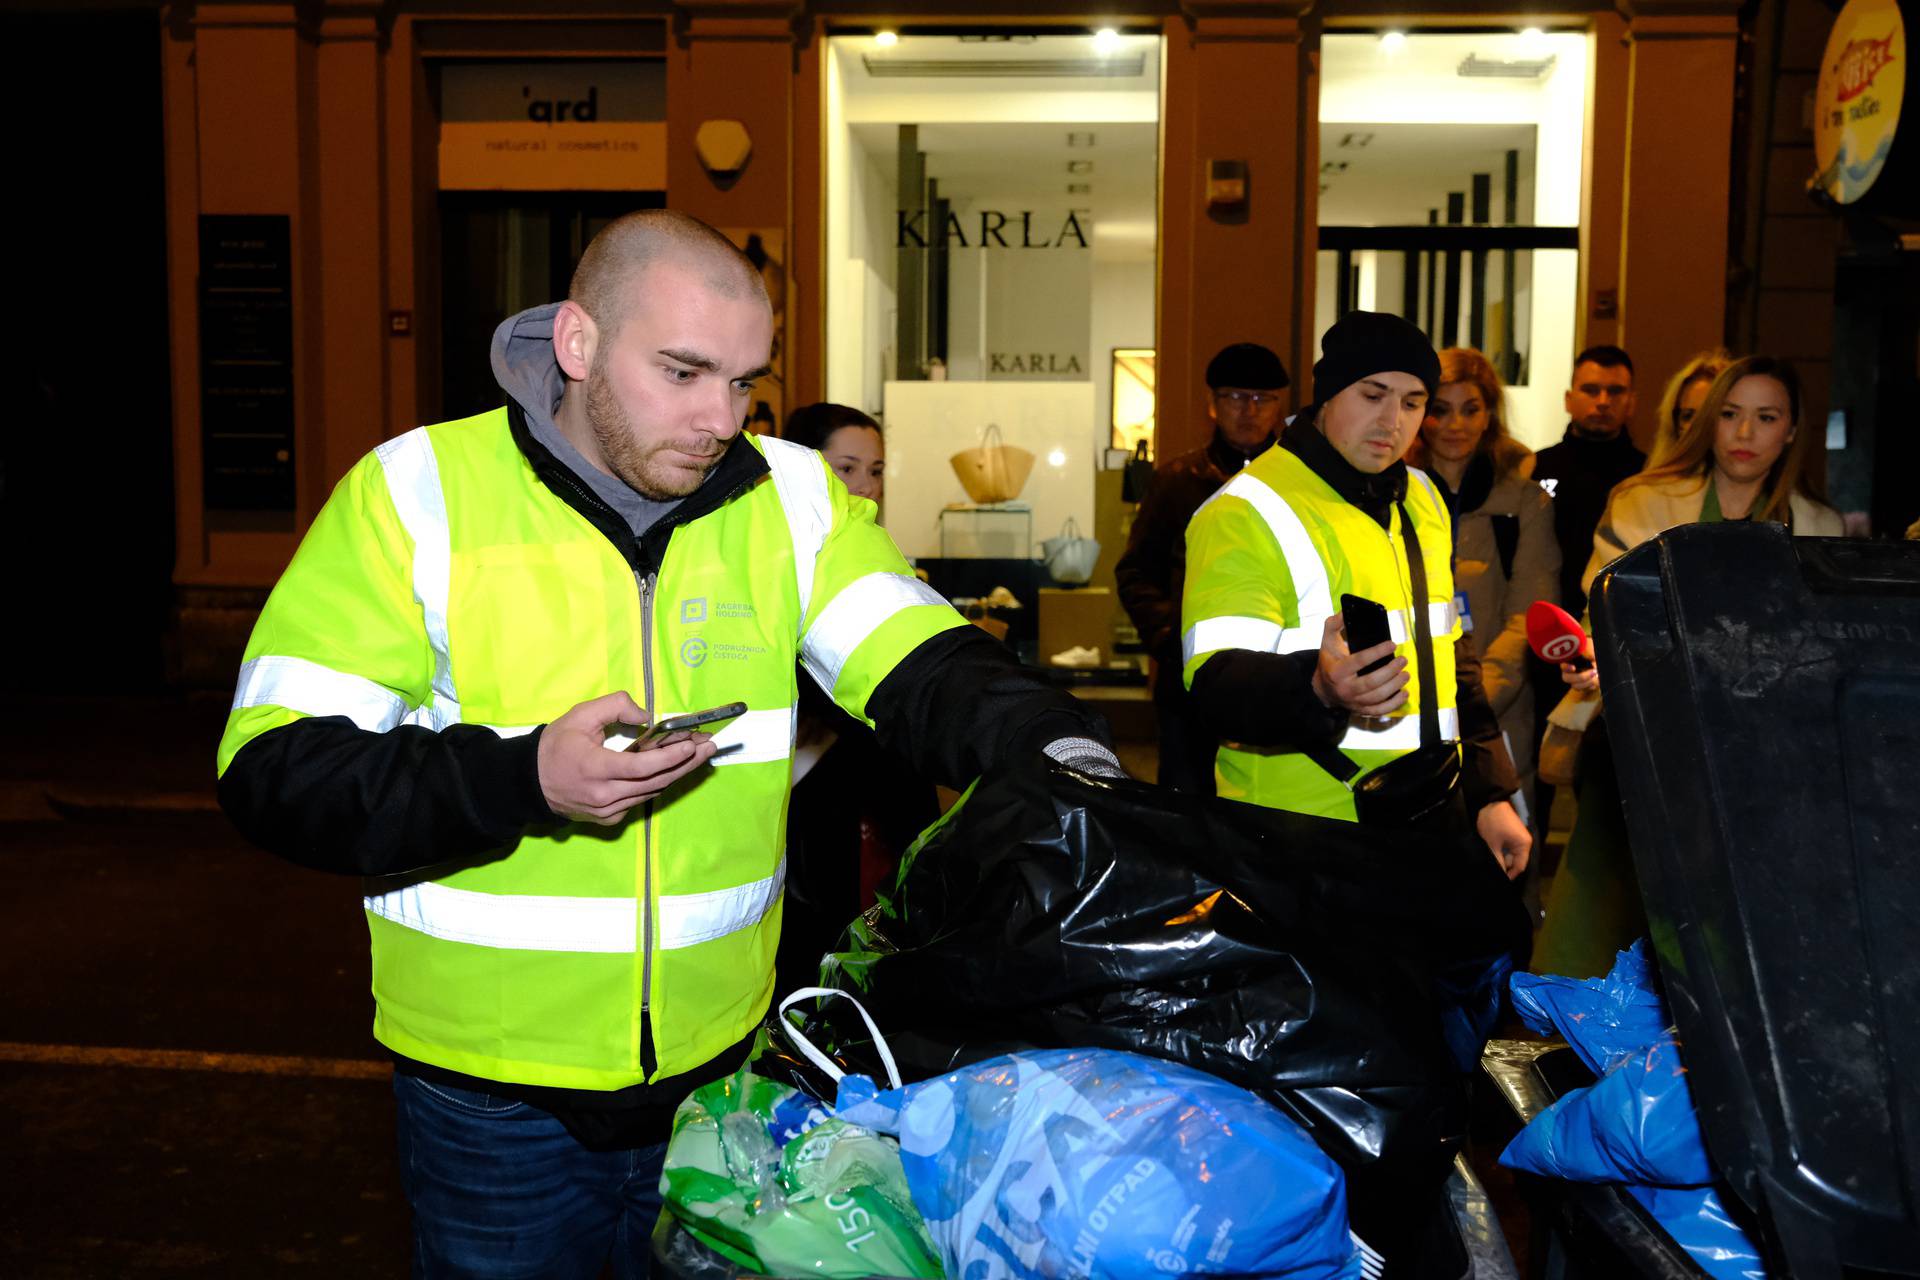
(995, 471)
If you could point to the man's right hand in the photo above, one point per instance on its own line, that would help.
(1337, 681)
(586, 782)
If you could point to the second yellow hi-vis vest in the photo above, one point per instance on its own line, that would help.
(444, 583)
(1268, 558)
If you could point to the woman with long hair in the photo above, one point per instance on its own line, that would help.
(1505, 552)
(1685, 392)
(1742, 457)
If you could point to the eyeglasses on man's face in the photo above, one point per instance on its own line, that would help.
(1247, 399)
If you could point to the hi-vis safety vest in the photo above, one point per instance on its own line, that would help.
(444, 583)
(1268, 558)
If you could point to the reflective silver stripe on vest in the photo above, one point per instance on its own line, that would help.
(512, 921)
(606, 926)
(1214, 634)
(314, 690)
(1398, 733)
(1312, 596)
(1433, 494)
(1441, 617)
(853, 615)
(688, 919)
(800, 478)
(413, 482)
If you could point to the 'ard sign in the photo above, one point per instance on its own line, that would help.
(997, 229)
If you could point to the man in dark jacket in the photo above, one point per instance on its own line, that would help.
(1594, 455)
(1244, 382)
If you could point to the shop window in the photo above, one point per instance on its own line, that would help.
(1450, 193)
(991, 225)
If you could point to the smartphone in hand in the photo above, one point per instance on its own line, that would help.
(1365, 624)
(660, 730)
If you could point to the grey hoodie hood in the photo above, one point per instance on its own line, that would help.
(525, 368)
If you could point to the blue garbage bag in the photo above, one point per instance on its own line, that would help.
(1075, 1162)
(1698, 1223)
(1603, 1019)
(1637, 1124)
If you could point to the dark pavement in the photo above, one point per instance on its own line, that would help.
(132, 918)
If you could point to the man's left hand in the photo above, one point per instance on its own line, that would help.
(1506, 836)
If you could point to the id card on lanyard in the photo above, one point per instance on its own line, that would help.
(1464, 611)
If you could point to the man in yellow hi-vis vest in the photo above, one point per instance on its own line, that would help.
(567, 939)
(1308, 724)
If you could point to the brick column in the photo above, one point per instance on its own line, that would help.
(1241, 84)
(1679, 155)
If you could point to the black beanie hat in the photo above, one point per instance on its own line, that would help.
(1362, 343)
(1249, 365)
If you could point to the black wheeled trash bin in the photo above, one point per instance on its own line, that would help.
(1763, 700)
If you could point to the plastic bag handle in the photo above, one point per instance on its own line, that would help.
(821, 1060)
(1070, 528)
(990, 433)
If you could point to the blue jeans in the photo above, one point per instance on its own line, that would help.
(501, 1190)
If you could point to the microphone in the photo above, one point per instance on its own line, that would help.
(1556, 635)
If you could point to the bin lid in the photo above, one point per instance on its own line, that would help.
(1763, 700)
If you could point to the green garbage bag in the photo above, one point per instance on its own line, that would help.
(756, 1171)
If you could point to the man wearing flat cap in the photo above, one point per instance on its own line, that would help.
(1244, 382)
(1396, 733)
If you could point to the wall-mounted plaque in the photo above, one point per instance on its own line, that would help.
(246, 361)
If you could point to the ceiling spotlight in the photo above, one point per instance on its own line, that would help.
(1079, 166)
(886, 39)
(1077, 138)
(1393, 41)
(1079, 188)
(1533, 41)
(1106, 40)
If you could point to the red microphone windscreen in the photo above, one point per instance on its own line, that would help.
(1555, 634)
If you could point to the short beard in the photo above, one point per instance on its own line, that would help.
(639, 466)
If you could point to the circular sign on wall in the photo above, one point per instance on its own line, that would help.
(1857, 105)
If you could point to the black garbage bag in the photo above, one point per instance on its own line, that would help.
(1347, 973)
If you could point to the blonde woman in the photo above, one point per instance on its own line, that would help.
(1743, 457)
(1506, 555)
(1685, 393)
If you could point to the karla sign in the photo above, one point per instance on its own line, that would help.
(996, 229)
(1857, 105)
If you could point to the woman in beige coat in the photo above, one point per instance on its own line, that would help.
(1505, 553)
(1743, 457)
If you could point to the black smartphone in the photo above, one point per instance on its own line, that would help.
(662, 729)
(1365, 623)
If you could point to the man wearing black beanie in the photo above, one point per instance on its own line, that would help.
(1244, 382)
(1398, 733)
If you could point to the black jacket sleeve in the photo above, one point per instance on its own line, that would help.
(960, 705)
(329, 795)
(1265, 700)
(1144, 574)
(1486, 773)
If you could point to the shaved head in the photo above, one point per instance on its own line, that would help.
(603, 282)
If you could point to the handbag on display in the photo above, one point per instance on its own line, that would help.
(1069, 557)
(1138, 477)
(994, 471)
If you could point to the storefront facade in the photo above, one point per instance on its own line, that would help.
(356, 188)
